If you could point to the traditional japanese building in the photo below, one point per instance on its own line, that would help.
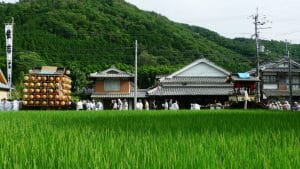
(113, 84)
(275, 79)
(4, 88)
(200, 82)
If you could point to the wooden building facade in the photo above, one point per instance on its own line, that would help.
(275, 79)
(113, 84)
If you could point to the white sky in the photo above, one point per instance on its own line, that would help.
(230, 18)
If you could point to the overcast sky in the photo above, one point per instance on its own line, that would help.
(230, 18)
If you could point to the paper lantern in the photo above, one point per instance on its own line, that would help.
(25, 96)
(44, 90)
(51, 85)
(57, 79)
(32, 78)
(50, 96)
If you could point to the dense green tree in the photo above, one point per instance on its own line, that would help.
(88, 36)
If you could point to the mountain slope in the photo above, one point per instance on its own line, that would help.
(91, 35)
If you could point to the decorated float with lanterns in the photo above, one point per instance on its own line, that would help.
(47, 87)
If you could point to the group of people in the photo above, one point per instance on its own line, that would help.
(170, 105)
(89, 105)
(217, 105)
(119, 104)
(277, 105)
(10, 105)
(280, 105)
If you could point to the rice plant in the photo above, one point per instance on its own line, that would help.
(152, 139)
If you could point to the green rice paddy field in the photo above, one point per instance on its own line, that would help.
(155, 139)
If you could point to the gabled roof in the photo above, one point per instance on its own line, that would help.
(280, 65)
(111, 72)
(205, 63)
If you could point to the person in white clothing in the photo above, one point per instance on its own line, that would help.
(120, 104)
(99, 105)
(146, 105)
(139, 105)
(79, 105)
(125, 104)
(15, 105)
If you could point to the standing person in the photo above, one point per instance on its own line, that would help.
(15, 105)
(99, 105)
(115, 105)
(166, 105)
(146, 105)
(93, 105)
(125, 104)
(120, 104)
(175, 105)
(139, 105)
(7, 105)
(2, 105)
(79, 105)
(153, 104)
(88, 105)
(170, 104)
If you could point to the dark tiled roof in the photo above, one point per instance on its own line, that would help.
(273, 66)
(280, 70)
(199, 80)
(193, 91)
(140, 94)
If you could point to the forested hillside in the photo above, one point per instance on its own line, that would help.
(91, 35)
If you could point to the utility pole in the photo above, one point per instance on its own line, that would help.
(9, 52)
(257, 23)
(289, 74)
(135, 75)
